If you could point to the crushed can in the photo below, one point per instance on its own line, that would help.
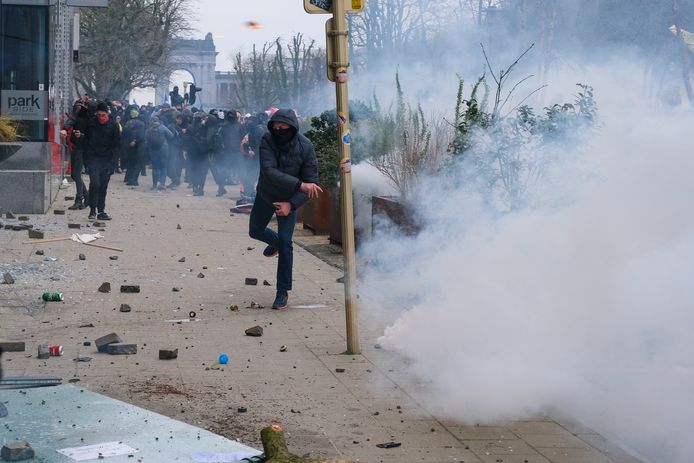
(55, 351)
(52, 297)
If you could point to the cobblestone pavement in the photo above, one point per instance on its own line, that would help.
(330, 404)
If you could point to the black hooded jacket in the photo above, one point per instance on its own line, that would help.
(102, 142)
(284, 168)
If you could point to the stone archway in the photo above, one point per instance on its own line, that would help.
(199, 58)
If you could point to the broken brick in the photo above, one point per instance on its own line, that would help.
(105, 287)
(168, 354)
(35, 234)
(121, 348)
(130, 288)
(103, 342)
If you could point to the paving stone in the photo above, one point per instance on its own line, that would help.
(74, 225)
(125, 308)
(113, 257)
(17, 451)
(121, 348)
(251, 281)
(103, 342)
(7, 278)
(23, 218)
(99, 224)
(39, 252)
(168, 354)
(12, 346)
(130, 288)
(254, 331)
(105, 287)
(43, 352)
(9, 215)
(35, 235)
(59, 211)
(182, 259)
(266, 283)
(82, 257)
(69, 198)
(201, 275)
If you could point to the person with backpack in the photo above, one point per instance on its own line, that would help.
(157, 137)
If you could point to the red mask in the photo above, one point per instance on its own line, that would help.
(102, 118)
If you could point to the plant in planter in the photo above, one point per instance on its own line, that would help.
(9, 130)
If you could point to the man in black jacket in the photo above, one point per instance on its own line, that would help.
(102, 146)
(133, 149)
(76, 127)
(288, 178)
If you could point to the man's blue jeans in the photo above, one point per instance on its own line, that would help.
(281, 240)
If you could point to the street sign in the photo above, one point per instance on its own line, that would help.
(326, 6)
(329, 49)
(25, 105)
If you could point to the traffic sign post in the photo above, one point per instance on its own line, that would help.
(338, 71)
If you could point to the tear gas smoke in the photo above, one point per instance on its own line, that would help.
(581, 307)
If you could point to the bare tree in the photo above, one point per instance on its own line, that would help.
(126, 45)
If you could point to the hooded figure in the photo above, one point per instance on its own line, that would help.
(288, 178)
(133, 147)
(75, 130)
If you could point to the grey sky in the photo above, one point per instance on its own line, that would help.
(226, 19)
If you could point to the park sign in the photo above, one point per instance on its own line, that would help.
(25, 105)
(326, 6)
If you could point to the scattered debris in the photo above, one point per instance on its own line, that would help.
(223, 359)
(59, 211)
(168, 354)
(23, 218)
(17, 451)
(82, 359)
(103, 342)
(182, 259)
(192, 314)
(255, 305)
(250, 248)
(242, 409)
(340, 280)
(125, 308)
(49, 259)
(7, 278)
(12, 346)
(121, 348)
(35, 234)
(201, 275)
(69, 198)
(130, 288)
(283, 349)
(251, 281)
(99, 224)
(266, 283)
(105, 287)
(87, 343)
(56, 350)
(43, 352)
(113, 257)
(9, 215)
(339, 370)
(74, 225)
(178, 227)
(39, 252)
(82, 257)
(255, 331)
(389, 445)
(234, 308)
(87, 325)
(175, 290)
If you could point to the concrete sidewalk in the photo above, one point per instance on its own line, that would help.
(330, 405)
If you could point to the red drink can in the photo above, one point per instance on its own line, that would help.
(55, 351)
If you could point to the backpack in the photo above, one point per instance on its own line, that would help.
(218, 140)
(155, 139)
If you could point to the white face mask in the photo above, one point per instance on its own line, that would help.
(220, 115)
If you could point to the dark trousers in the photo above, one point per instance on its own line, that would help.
(281, 240)
(250, 171)
(134, 164)
(76, 166)
(99, 175)
(175, 166)
(221, 169)
(199, 165)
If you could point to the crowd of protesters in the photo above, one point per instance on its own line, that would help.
(182, 145)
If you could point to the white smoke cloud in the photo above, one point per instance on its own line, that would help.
(584, 308)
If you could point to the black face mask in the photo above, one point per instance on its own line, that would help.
(282, 136)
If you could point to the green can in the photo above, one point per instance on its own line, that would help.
(52, 297)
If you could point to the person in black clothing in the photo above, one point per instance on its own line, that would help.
(288, 178)
(102, 146)
(133, 147)
(76, 129)
(176, 159)
(176, 98)
(199, 151)
(249, 165)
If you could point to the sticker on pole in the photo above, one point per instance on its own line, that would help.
(346, 166)
(341, 76)
(318, 6)
(347, 138)
(341, 119)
